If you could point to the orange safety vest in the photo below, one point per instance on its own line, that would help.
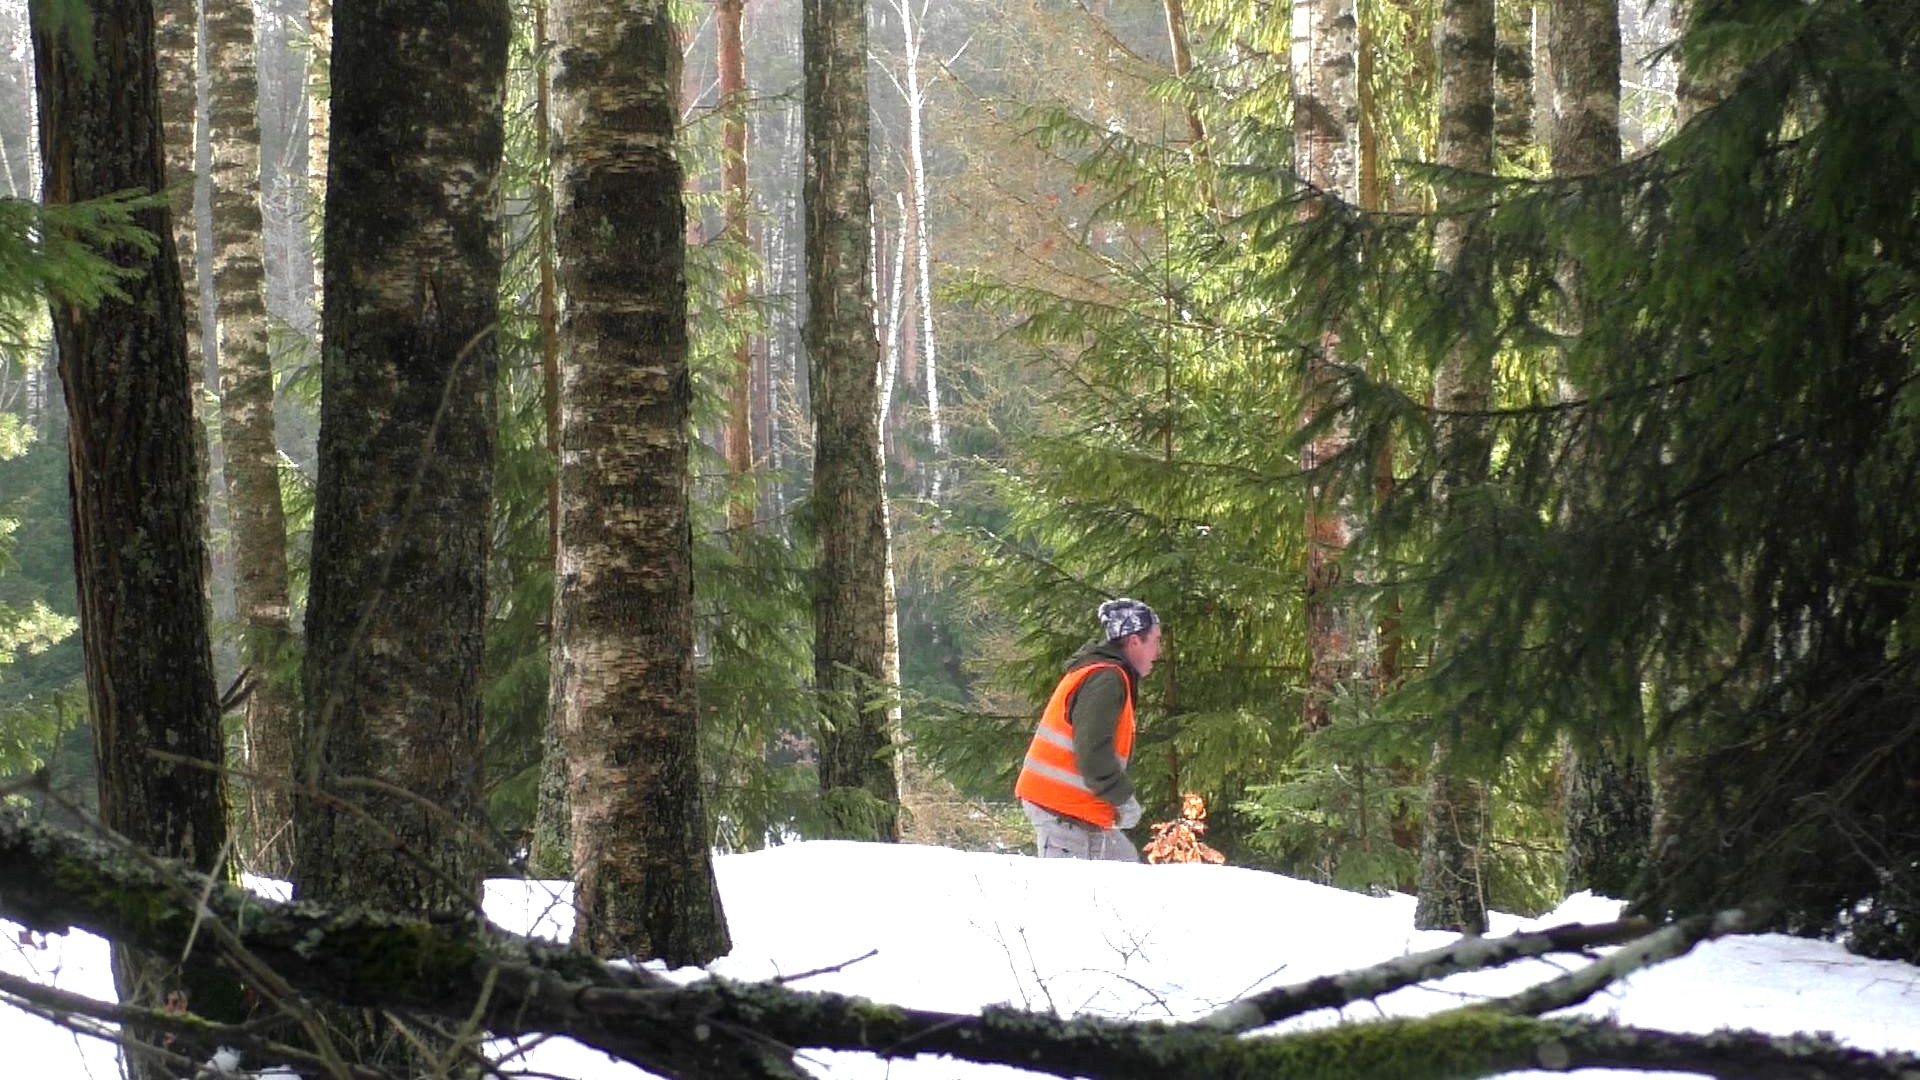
(1051, 776)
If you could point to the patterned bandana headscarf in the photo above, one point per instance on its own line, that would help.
(1123, 616)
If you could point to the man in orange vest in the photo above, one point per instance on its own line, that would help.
(1074, 784)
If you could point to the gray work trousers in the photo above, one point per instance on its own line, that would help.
(1056, 836)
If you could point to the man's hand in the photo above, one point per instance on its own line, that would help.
(1127, 814)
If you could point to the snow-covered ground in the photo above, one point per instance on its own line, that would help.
(956, 931)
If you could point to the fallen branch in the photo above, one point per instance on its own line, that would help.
(1364, 984)
(1666, 943)
(466, 974)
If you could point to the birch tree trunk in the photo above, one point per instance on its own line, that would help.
(858, 774)
(1609, 797)
(1326, 114)
(390, 810)
(252, 455)
(139, 556)
(623, 678)
(1452, 889)
(922, 241)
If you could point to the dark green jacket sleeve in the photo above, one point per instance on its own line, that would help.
(1095, 713)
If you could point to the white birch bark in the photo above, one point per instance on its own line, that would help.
(923, 247)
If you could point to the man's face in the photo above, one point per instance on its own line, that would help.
(1142, 649)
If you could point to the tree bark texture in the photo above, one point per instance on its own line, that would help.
(1513, 73)
(390, 807)
(1451, 892)
(623, 678)
(1583, 45)
(1609, 805)
(857, 754)
(1701, 81)
(1326, 106)
(552, 845)
(139, 556)
(177, 46)
(247, 429)
(1610, 816)
(176, 41)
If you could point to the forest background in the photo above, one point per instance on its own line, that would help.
(1137, 339)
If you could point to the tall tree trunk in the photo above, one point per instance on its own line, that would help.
(139, 556)
(1697, 85)
(1513, 79)
(893, 346)
(857, 755)
(319, 123)
(1452, 892)
(923, 242)
(389, 808)
(176, 40)
(1609, 805)
(252, 455)
(623, 678)
(1700, 81)
(552, 854)
(728, 15)
(1326, 118)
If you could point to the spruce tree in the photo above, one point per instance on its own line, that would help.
(1717, 529)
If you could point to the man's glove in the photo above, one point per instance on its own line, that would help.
(1127, 814)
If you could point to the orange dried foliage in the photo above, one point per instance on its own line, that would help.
(1179, 841)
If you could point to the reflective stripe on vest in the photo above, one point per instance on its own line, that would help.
(1051, 775)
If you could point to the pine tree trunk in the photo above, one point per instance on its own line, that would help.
(252, 456)
(139, 556)
(623, 677)
(395, 623)
(1452, 893)
(857, 755)
(1609, 803)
